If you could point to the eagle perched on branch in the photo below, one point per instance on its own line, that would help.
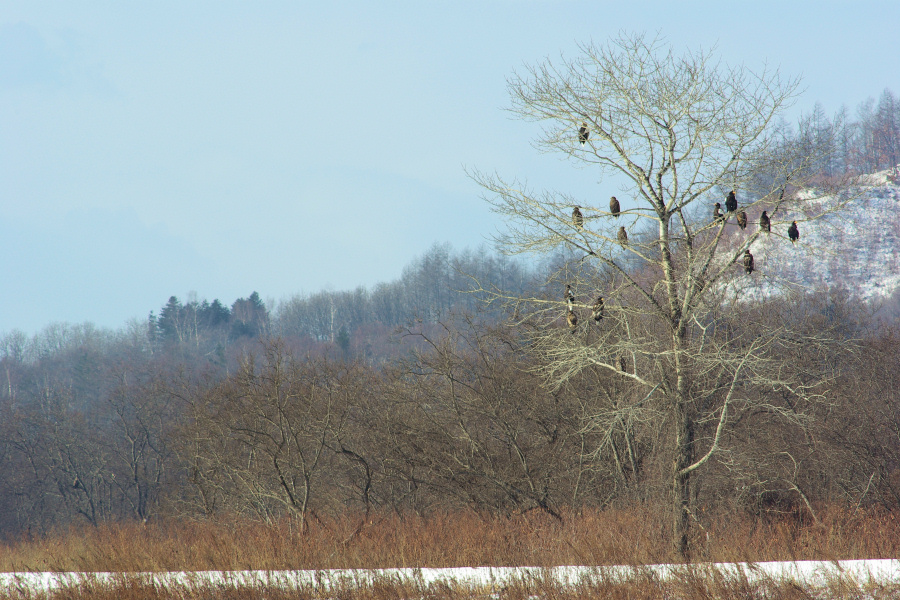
(583, 133)
(577, 218)
(718, 217)
(730, 202)
(793, 232)
(748, 262)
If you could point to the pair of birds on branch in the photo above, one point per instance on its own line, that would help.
(765, 224)
(572, 318)
(731, 205)
(614, 209)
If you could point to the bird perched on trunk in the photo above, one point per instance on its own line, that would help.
(614, 207)
(572, 320)
(748, 262)
(577, 218)
(597, 309)
(570, 298)
(765, 224)
(742, 220)
(583, 133)
(623, 236)
(718, 217)
(730, 202)
(622, 364)
(793, 232)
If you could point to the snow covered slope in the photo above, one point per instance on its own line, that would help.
(856, 248)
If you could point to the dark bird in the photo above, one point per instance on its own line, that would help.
(623, 236)
(622, 364)
(793, 232)
(577, 218)
(614, 207)
(748, 262)
(572, 320)
(730, 202)
(597, 309)
(742, 220)
(717, 213)
(765, 224)
(583, 133)
(570, 298)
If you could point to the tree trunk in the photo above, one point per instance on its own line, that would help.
(683, 455)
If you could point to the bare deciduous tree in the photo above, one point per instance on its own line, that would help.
(260, 440)
(680, 131)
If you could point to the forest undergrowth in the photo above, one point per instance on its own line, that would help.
(450, 539)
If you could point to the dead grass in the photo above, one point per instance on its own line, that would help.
(447, 540)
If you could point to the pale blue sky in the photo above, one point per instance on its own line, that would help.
(157, 148)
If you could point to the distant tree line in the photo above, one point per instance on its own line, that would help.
(99, 426)
(430, 287)
(866, 140)
(195, 321)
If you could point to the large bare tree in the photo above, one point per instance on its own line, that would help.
(676, 333)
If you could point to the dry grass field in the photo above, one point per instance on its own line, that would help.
(459, 539)
(447, 540)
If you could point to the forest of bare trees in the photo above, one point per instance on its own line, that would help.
(99, 426)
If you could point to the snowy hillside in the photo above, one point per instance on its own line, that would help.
(856, 248)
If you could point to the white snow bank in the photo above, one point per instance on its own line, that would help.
(814, 573)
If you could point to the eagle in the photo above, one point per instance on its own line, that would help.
(597, 309)
(748, 262)
(614, 207)
(765, 224)
(570, 298)
(730, 202)
(717, 213)
(577, 218)
(742, 220)
(622, 364)
(583, 133)
(793, 232)
(623, 236)
(572, 320)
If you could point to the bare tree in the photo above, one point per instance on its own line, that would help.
(480, 430)
(259, 441)
(680, 131)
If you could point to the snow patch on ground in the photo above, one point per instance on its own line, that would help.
(813, 573)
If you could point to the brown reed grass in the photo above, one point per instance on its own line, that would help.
(450, 539)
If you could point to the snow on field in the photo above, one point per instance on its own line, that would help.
(813, 573)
